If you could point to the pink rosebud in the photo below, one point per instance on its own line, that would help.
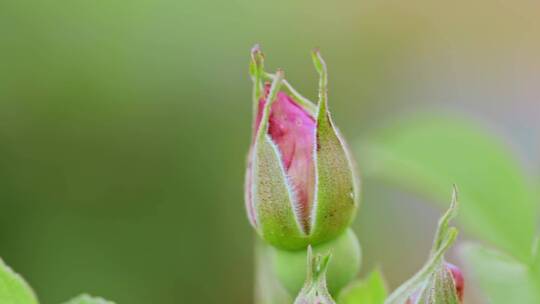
(300, 184)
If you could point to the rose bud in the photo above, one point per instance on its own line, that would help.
(300, 183)
(314, 290)
(445, 285)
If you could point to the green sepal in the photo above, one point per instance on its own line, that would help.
(337, 194)
(440, 288)
(276, 219)
(256, 71)
(256, 65)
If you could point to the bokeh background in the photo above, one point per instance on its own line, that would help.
(124, 127)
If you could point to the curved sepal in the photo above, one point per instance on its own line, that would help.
(278, 224)
(256, 71)
(336, 183)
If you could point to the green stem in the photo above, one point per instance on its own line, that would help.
(267, 288)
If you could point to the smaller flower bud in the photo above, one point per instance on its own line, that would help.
(314, 290)
(444, 287)
(438, 282)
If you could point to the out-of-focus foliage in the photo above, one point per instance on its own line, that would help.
(498, 202)
(429, 153)
(503, 278)
(13, 288)
(371, 290)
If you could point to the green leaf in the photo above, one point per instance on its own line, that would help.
(86, 299)
(502, 278)
(428, 153)
(13, 288)
(371, 290)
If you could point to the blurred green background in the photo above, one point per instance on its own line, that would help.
(124, 127)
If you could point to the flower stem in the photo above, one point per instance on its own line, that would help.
(268, 290)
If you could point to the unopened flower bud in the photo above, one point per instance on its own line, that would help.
(438, 282)
(445, 286)
(300, 184)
